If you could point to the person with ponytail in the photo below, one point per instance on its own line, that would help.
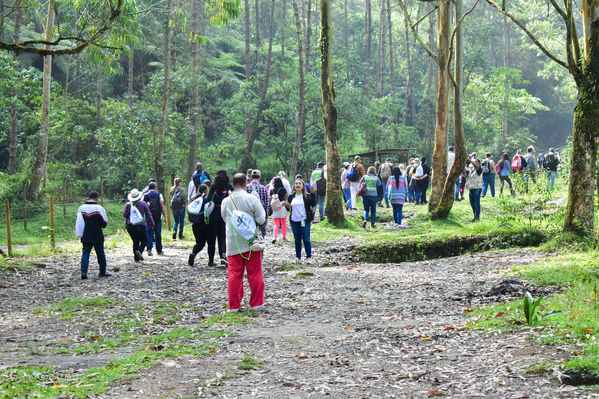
(397, 189)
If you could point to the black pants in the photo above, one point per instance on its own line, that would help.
(138, 236)
(218, 225)
(203, 233)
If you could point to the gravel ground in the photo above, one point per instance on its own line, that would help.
(342, 330)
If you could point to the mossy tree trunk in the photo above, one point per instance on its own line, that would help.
(39, 168)
(439, 162)
(301, 108)
(333, 197)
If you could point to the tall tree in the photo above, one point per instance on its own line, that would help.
(245, 163)
(39, 168)
(130, 77)
(99, 82)
(195, 113)
(308, 33)
(583, 65)
(329, 117)
(506, 64)
(12, 161)
(300, 127)
(391, 59)
(166, 62)
(282, 27)
(368, 47)
(382, 44)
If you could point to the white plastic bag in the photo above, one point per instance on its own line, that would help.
(135, 217)
(195, 207)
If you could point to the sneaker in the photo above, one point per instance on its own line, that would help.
(84, 277)
(160, 253)
(191, 258)
(149, 252)
(297, 261)
(224, 262)
(105, 274)
(364, 224)
(274, 241)
(181, 236)
(211, 264)
(308, 261)
(260, 307)
(139, 257)
(175, 235)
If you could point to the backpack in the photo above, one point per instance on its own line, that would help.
(177, 201)
(153, 200)
(321, 186)
(486, 165)
(276, 204)
(385, 171)
(135, 217)
(199, 177)
(550, 161)
(499, 166)
(530, 162)
(540, 159)
(352, 173)
(244, 226)
(517, 162)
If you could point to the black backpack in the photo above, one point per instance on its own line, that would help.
(550, 162)
(177, 201)
(152, 198)
(321, 186)
(486, 165)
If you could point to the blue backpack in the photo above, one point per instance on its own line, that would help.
(351, 173)
(199, 177)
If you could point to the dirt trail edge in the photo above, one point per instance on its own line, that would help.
(349, 330)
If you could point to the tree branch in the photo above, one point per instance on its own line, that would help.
(451, 41)
(529, 34)
(416, 35)
(30, 45)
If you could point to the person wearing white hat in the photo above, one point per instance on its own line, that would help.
(138, 217)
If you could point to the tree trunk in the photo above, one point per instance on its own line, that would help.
(166, 60)
(130, 81)
(407, 117)
(195, 92)
(174, 52)
(448, 194)
(39, 169)
(308, 34)
(78, 77)
(382, 39)
(257, 15)
(506, 64)
(439, 161)
(14, 112)
(334, 201)
(368, 48)
(301, 112)
(391, 60)
(345, 27)
(580, 207)
(248, 59)
(245, 163)
(99, 96)
(283, 25)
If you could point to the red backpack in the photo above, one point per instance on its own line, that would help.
(517, 162)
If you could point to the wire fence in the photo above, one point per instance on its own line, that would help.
(46, 220)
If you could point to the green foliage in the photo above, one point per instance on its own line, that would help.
(529, 307)
(248, 363)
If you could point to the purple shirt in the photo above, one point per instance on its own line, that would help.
(143, 209)
(262, 193)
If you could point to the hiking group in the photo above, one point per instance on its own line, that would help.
(235, 214)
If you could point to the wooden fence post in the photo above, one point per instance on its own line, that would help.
(52, 237)
(167, 195)
(102, 190)
(25, 207)
(64, 198)
(8, 237)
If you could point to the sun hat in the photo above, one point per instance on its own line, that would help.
(346, 164)
(135, 195)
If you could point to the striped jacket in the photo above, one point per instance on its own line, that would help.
(91, 219)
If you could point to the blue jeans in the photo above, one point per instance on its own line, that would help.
(397, 213)
(301, 233)
(87, 248)
(411, 195)
(458, 183)
(475, 202)
(347, 197)
(179, 217)
(320, 203)
(369, 202)
(417, 192)
(154, 234)
(489, 182)
(551, 177)
(385, 194)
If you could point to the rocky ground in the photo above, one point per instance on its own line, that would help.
(335, 328)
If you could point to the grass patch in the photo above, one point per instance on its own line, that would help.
(578, 321)
(17, 265)
(288, 267)
(539, 368)
(248, 363)
(78, 306)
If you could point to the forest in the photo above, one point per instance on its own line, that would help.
(174, 82)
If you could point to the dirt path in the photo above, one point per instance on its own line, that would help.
(348, 330)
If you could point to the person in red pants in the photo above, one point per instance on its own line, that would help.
(239, 255)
